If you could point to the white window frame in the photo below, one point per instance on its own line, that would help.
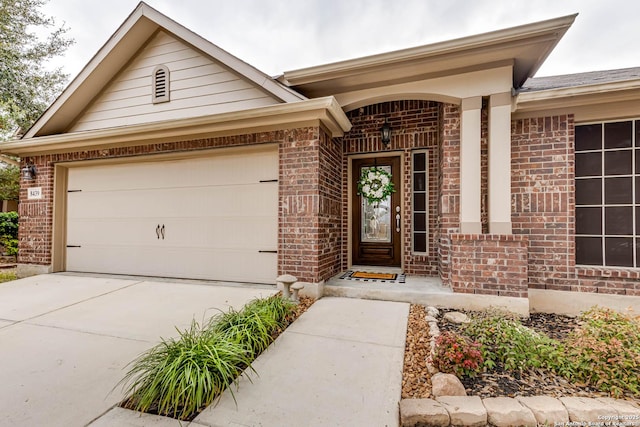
(426, 202)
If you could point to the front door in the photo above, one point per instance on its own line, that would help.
(376, 226)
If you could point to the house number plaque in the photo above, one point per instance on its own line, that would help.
(34, 193)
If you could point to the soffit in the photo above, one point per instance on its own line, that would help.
(526, 46)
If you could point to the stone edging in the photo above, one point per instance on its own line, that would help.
(521, 411)
(505, 411)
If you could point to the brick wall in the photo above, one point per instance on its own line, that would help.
(310, 210)
(543, 203)
(301, 197)
(414, 126)
(489, 264)
(449, 190)
(330, 211)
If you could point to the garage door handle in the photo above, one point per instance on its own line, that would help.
(158, 231)
(162, 231)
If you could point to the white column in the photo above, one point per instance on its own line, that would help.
(499, 208)
(470, 125)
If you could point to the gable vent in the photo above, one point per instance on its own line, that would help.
(160, 84)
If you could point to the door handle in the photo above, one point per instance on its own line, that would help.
(158, 231)
(397, 219)
(162, 231)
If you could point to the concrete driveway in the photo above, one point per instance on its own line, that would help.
(65, 340)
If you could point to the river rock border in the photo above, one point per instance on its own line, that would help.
(506, 411)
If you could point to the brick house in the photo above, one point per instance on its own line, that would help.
(167, 156)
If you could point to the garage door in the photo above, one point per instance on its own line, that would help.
(207, 218)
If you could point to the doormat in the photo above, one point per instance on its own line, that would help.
(366, 276)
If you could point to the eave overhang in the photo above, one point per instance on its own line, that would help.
(527, 46)
(324, 112)
(577, 96)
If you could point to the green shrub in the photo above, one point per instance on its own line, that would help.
(9, 232)
(505, 341)
(456, 354)
(9, 224)
(179, 377)
(605, 352)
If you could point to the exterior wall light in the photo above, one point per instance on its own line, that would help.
(29, 172)
(385, 133)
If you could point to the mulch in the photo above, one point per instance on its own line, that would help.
(496, 382)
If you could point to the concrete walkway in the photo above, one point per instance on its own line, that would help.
(65, 340)
(339, 364)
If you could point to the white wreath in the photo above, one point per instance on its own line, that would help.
(375, 185)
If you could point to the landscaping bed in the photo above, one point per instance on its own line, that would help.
(181, 376)
(586, 341)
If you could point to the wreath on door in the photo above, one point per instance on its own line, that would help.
(375, 185)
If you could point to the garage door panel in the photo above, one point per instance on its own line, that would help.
(255, 167)
(220, 222)
(233, 265)
(229, 265)
(111, 231)
(223, 233)
(244, 200)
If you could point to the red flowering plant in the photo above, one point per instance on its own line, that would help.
(456, 354)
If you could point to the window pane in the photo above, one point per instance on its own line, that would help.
(617, 135)
(619, 251)
(589, 191)
(588, 220)
(420, 222)
(420, 242)
(419, 163)
(638, 135)
(420, 202)
(637, 252)
(589, 250)
(618, 220)
(589, 164)
(637, 160)
(589, 137)
(617, 162)
(618, 191)
(419, 181)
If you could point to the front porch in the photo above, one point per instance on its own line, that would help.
(428, 291)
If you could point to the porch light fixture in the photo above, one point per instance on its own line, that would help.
(29, 172)
(385, 133)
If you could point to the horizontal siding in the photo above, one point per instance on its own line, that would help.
(198, 85)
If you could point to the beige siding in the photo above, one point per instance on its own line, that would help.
(199, 86)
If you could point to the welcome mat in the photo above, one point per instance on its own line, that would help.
(367, 276)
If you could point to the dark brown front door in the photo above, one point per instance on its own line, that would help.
(376, 226)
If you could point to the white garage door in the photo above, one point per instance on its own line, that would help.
(208, 218)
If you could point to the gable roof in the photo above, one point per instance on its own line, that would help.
(139, 26)
(525, 47)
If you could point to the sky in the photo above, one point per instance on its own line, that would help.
(282, 35)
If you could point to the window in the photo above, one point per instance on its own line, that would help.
(420, 201)
(607, 169)
(160, 84)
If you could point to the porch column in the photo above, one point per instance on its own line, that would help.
(499, 147)
(470, 122)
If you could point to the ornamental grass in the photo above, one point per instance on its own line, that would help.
(181, 376)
